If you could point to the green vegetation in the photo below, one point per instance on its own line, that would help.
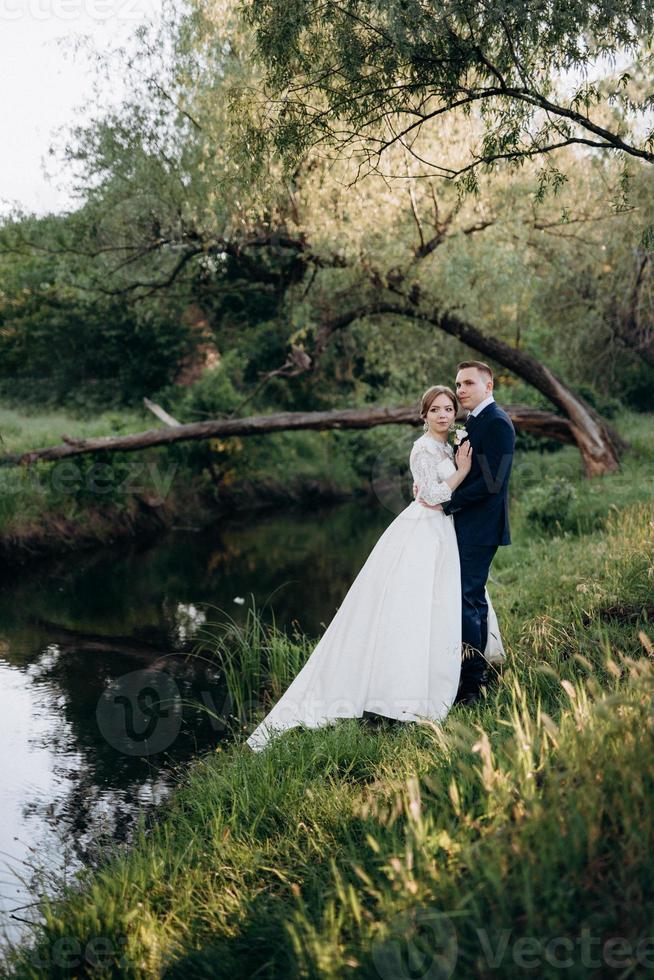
(178, 257)
(404, 63)
(186, 277)
(95, 498)
(527, 816)
(89, 499)
(543, 482)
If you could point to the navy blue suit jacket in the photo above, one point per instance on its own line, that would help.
(480, 504)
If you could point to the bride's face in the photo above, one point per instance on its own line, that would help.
(440, 415)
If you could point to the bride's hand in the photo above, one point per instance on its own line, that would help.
(463, 458)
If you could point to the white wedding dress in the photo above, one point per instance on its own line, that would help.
(394, 644)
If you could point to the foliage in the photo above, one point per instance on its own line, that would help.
(290, 273)
(369, 76)
(549, 505)
(61, 346)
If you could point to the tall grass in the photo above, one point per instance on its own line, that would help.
(256, 658)
(517, 832)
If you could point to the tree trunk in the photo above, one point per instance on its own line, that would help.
(524, 418)
(598, 443)
(626, 317)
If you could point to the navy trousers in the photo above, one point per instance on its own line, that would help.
(475, 566)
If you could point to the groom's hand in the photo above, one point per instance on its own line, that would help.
(424, 502)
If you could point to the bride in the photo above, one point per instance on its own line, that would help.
(393, 647)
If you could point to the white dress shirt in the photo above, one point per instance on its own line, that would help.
(481, 406)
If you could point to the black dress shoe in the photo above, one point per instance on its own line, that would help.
(472, 695)
(372, 720)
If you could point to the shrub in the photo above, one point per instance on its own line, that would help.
(549, 505)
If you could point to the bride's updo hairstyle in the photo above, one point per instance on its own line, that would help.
(433, 393)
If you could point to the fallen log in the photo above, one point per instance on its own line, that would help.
(525, 419)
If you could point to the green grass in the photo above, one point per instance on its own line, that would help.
(32, 502)
(517, 824)
(21, 430)
(39, 509)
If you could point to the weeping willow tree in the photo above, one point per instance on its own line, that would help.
(182, 195)
(365, 75)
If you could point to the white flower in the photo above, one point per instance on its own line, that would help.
(239, 600)
(459, 436)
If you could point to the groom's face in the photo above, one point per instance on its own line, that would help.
(472, 387)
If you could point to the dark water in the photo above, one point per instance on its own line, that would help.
(79, 637)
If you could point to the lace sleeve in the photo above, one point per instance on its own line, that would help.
(424, 469)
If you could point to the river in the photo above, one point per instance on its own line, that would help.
(80, 634)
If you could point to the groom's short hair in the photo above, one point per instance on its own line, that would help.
(480, 365)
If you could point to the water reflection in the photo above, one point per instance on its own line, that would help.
(75, 632)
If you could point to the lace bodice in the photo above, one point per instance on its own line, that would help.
(431, 463)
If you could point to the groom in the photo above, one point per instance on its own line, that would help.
(480, 507)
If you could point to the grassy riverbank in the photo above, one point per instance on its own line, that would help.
(513, 840)
(46, 508)
(95, 499)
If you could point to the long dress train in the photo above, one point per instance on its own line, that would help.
(394, 645)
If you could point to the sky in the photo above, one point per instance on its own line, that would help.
(44, 83)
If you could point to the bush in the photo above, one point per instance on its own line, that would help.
(215, 394)
(549, 505)
(60, 349)
(607, 405)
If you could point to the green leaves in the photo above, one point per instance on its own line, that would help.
(355, 74)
